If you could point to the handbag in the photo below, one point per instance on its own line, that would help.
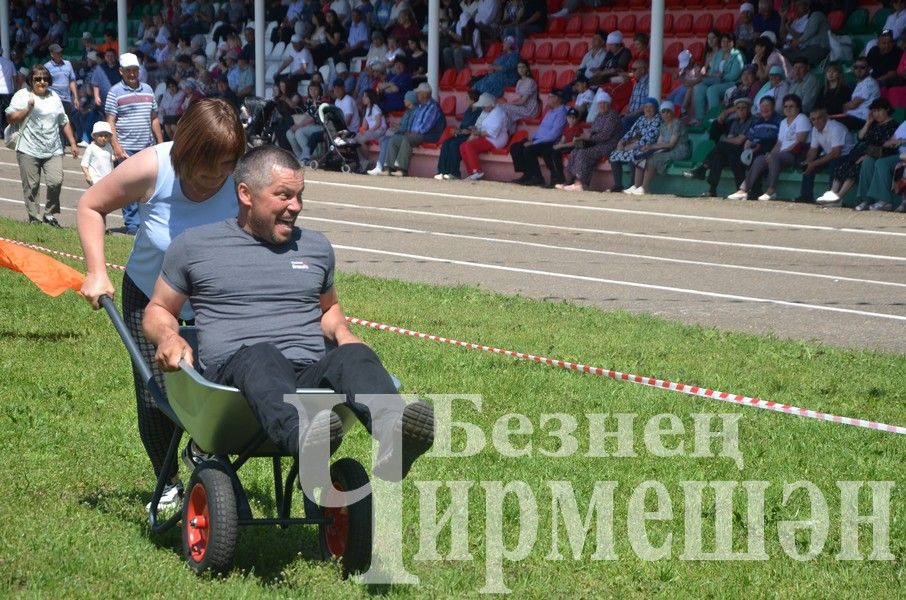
(11, 136)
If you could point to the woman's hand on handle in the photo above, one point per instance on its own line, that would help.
(95, 286)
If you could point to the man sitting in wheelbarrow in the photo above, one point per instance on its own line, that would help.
(264, 299)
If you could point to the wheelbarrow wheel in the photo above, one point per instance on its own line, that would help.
(348, 538)
(209, 520)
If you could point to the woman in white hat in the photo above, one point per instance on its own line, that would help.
(598, 142)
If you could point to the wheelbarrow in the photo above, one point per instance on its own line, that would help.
(219, 420)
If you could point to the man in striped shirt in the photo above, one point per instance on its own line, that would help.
(131, 110)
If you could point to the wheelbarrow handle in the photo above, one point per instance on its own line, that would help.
(138, 360)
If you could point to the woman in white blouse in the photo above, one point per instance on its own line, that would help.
(792, 143)
(372, 128)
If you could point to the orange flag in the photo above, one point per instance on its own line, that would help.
(52, 276)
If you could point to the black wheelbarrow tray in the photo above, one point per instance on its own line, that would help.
(219, 420)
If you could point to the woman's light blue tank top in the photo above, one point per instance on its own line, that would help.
(167, 214)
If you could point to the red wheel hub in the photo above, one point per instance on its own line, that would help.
(336, 534)
(197, 522)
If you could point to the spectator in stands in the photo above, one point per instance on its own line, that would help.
(380, 16)
(244, 84)
(411, 104)
(56, 32)
(316, 41)
(105, 76)
(790, 149)
(876, 187)
(336, 36)
(835, 92)
(593, 60)
(378, 48)
(394, 51)
(635, 144)
(723, 73)
(405, 28)
(485, 17)
(170, 107)
(40, 116)
(866, 91)
(373, 126)
(342, 9)
(396, 9)
(712, 47)
(502, 72)
(748, 87)
(8, 87)
(564, 146)
(300, 62)
(636, 105)
(871, 157)
(449, 159)
(804, 85)
(342, 72)
(427, 125)
(532, 18)
(598, 143)
(811, 41)
(776, 87)
(728, 149)
(395, 87)
(418, 59)
(767, 56)
(248, 50)
(616, 61)
(526, 104)
(359, 37)
(830, 143)
(672, 144)
(640, 46)
(689, 74)
(767, 19)
(884, 60)
(64, 85)
(223, 90)
(490, 132)
(745, 30)
(525, 154)
(110, 42)
(570, 6)
(584, 97)
(304, 126)
(896, 20)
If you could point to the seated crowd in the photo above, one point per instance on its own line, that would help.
(766, 93)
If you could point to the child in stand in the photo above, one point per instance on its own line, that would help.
(97, 161)
(584, 96)
(566, 144)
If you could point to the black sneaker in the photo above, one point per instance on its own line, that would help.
(52, 221)
(417, 429)
(322, 429)
(699, 172)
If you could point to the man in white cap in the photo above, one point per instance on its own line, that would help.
(64, 84)
(616, 61)
(428, 124)
(300, 62)
(131, 111)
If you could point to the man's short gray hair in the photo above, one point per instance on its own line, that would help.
(255, 168)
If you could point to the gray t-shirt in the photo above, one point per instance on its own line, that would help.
(245, 291)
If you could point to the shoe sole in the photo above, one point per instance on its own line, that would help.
(320, 432)
(417, 431)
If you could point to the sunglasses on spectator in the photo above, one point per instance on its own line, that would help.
(789, 106)
(40, 79)
(860, 67)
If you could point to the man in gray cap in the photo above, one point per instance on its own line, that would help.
(64, 84)
(427, 125)
(728, 150)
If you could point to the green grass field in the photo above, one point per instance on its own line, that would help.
(75, 478)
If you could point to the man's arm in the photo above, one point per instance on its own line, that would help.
(162, 329)
(333, 322)
(118, 152)
(155, 129)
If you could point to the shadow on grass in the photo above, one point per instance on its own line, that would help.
(40, 336)
(262, 552)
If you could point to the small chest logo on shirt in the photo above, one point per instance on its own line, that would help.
(299, 264)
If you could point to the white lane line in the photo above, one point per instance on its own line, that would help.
(697, 263)
(634, 212)
(647, 286)
(65, 187)
(67, 208)
(667, 215)
(610, 232)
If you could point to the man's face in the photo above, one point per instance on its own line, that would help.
(742, 110)
(423, 97)
(597, 41)
(553, 101)
(801, 70)
(130, 76)
(765, 109)
(274, 209)
(819, 120)
(639, 69)
(110, 57)
(860, 68)
(885, 44)
(57, 57)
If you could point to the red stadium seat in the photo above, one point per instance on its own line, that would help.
(462, 80)
(519, 136)
(535, 75)
(543, 52)
(627, 25)
(589, 24)
(493, 52)
(576, 54)
(644, 23)
(565, 78)
(609, 23)
(561, 53)
(670, 54)
(447, 134)
(639, 4)
(553, 6)
(703, 24)
(547, 81)
(573, 26)
(724, 23)
(447, 79)
(682, 26)
(836, 20)
(668, 22)
(448, 106)
(666, 84)
(697, 50)
(555, 27)
(710, 3)
(528, 51)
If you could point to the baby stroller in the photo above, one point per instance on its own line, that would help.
(256, 114)
(337, 151)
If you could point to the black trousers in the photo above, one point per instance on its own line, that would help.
(525, 158)
(265, 376)
(725, 155)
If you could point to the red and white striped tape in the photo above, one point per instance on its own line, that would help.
(691, 390)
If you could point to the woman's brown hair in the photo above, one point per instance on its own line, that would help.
(209, 132)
